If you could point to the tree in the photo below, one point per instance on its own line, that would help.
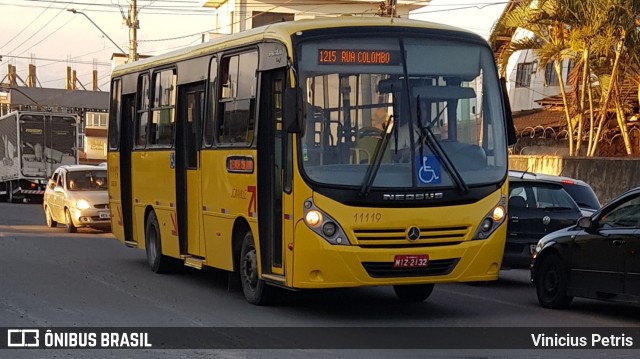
(546, 22)
(602, 37)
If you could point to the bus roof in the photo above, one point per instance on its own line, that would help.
(279, 31)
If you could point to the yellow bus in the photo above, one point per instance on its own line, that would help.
(326, 153)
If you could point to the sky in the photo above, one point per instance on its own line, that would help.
(45, 33)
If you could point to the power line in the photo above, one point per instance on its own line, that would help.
(26, 27)
(58, 60)
(40, 29)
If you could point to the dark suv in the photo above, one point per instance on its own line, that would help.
(580, 191)
(536, 208)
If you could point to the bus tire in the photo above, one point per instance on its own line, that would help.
(50, 222)
(413, 293)
(71, 228)
(551, 283)
(255, 290)
(158, 262)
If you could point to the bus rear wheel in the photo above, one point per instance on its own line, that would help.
(255, 290)
(158, 262)
(413, 293)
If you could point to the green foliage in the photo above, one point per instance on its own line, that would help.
(606, 30)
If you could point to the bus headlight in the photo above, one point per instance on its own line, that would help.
(329, 229)
(486, 224)
(492, 220)
(323, 225)
(498, 213)
(313, 218)
(82, 204)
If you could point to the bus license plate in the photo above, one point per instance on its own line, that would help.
(411, 261)
(104, 215)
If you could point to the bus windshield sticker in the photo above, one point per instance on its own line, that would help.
(305, 154)
(428, 170)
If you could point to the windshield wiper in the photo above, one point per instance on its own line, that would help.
(426, 135)
(378, 154)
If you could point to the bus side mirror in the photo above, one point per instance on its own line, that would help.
(292, 111)
(510, 127)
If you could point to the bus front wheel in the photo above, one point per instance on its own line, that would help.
(158, 262)
(256, 291)
(413, 293)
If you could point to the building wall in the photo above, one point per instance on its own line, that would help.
(608, 177)
(237, 15)
(523, 98)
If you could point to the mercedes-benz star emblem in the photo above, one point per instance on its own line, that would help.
(413, 233)
(546, 220)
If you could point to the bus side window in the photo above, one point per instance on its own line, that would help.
(237, 99)
(142, 116)
(211, 111)
(163, 109)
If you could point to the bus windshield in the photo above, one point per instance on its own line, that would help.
(425, 113)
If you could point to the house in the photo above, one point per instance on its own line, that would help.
(234, 16)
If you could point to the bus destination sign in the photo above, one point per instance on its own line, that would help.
(357, 57)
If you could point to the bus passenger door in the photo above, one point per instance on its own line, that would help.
(126, 144)
(188, 143)
(271, 153)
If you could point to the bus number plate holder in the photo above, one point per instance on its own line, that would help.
(411, 261)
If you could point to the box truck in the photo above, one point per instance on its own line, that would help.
(32, 146)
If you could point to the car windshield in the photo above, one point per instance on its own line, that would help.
(401, 113)
(92, 180)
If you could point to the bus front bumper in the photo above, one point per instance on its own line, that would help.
(318, 264)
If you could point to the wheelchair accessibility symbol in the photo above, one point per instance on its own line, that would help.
(428, 169)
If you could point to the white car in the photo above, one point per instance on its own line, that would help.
(77, 196)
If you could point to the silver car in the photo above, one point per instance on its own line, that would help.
(77, 196)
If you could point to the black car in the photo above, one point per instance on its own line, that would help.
(580, 191)
(597, 258)
(535, 209)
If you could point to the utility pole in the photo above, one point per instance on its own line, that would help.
(134, 25)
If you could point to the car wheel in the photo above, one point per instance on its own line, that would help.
(50, 222)
(551, 283)
(413, 293)
(158, 262)
(71, 228)
(256, 291)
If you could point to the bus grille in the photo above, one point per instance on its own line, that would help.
(386, 270)
(429, 236)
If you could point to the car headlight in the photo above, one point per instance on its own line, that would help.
(82, 204)
(322, 224)
(492, 220)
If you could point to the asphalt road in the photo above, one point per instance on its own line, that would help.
(49, 278)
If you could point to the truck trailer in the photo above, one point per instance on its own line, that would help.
(32, 146)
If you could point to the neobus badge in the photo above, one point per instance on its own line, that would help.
(412, 196)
